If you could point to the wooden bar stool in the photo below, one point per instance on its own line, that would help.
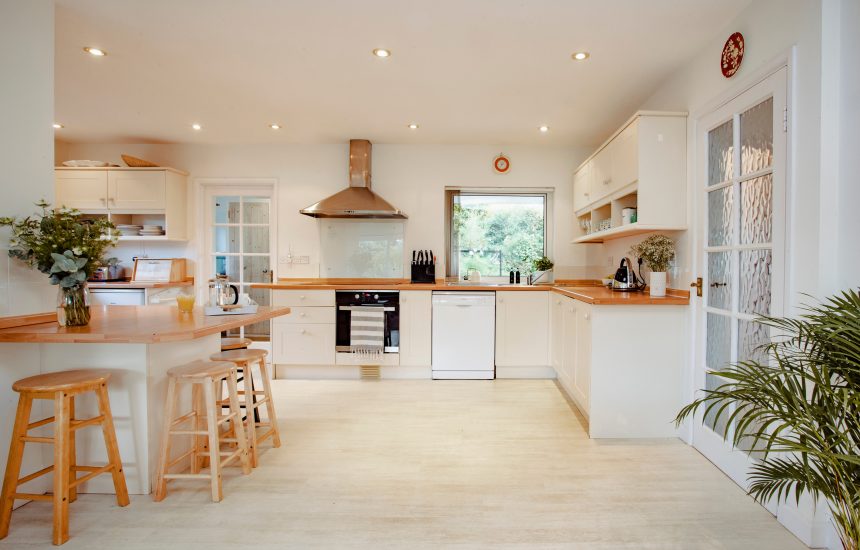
(205, 378)
(244, 360)
(62, 388)
(235, 343)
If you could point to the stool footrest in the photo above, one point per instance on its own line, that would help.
(230, 457)
(78, 424)
(34, 475)
(92, 474)
(33, 439)
(187, 476)
(183, 418)
(180, 458)
(189, 432)
(32, 496)
(38, 423)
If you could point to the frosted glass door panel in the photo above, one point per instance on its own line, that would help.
(757, 210)
(720, 280)
(757, 138)
(720, 226)
(369, 249)
(720, 154)
(755, 282)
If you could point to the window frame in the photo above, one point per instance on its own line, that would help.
(452, 256)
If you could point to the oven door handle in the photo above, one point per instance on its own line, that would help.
(364, 308)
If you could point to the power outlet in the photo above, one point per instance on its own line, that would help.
(611, 261)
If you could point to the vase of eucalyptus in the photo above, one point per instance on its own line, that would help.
(68, 249)
(656, 251)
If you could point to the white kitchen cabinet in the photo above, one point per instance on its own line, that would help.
(303, 344)
(582, 186)
(581, 356)
(133, 190)
(557, 336)
(139, 196)
(305, 336)
(415, 327)
(85, 190)
(522, 329)
(642, 166)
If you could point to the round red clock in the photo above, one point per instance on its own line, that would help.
(501, 164)
(733, 54)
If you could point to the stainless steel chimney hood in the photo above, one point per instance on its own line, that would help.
(357, 200)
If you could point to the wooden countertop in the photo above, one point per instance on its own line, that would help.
(589, 291)
(138, 325)
(137, 284)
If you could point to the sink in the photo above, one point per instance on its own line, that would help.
(471, 283)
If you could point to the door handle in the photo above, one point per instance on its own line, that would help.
(718, 285)
(698, 286)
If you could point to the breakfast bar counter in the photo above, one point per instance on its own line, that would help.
(138, 344)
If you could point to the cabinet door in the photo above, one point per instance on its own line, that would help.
(625, 158)
(582, 187)
(557, 334)
(522, 329)
(415, 327)
(568, 360)
(85, 190)
(136, 190)
(582, 370)
(297, 344)
(602, 177)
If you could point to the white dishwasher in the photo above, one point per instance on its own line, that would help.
(464, 335)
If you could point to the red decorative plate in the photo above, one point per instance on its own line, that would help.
(733, 54)
(501, 164)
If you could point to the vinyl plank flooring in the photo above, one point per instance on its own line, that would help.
(423, 464)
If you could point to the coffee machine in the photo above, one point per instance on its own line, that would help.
(626, 279)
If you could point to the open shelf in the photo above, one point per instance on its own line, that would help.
(625, 231)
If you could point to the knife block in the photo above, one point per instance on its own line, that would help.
(423, 273)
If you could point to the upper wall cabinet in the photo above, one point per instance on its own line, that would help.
(642, 167)
(137, 196)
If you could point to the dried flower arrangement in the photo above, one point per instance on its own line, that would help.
(656, 251)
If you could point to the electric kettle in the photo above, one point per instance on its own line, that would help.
(626, 279)
(219, 292)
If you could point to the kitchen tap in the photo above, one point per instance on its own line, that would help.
(532, 280)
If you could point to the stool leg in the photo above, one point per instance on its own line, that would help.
(13, 465)
(164, 458)
(73, 460)
(214, 447)
(61, 468)
(251, 429)
(237, 422)
(112, 447)
(199, 442)
(270, 403)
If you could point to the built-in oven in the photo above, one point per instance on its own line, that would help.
(357, 302)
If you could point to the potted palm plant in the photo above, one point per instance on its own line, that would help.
(67, 248)
(800, 413)
(656, 251)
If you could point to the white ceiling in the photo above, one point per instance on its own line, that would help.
(467, 71)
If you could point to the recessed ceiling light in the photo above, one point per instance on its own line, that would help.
(580, 56)
(275, 126)
(57, 126)
(413, 126)
(544, 129)
(382, 52)
(196, 126)
(95, 51)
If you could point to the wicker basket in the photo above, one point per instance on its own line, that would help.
(135, 162)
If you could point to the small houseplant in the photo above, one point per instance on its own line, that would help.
(542, 269)
(656, 251)
(67, 248)
(800, 413)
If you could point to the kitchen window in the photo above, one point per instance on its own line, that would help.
(495, 232)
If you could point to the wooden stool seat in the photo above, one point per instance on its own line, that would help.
(202, 369)
(205, 378)
(69, 381)
(245, 359)
(235, 343)
(61, 388)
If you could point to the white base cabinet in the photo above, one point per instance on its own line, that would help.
(621, 365)
(415, 327)
(522, 329)
(305, 336)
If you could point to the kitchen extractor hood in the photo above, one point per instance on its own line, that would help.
(357, 200)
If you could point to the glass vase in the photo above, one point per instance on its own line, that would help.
(73, 306)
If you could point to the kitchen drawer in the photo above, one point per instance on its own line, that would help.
(296, 298)
(387, 359)
(303, 344)
(308, 316)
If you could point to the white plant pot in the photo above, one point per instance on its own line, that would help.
(658, 283)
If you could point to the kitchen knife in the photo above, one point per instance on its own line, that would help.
(420, 257)
(431, 257)
(413, 257)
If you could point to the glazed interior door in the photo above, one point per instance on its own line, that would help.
(241, 245)
(741, 216)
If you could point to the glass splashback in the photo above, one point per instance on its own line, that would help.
(367, 249)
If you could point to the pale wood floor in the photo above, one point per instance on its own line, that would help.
(421, 464)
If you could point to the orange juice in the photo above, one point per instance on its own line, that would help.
(185, 302)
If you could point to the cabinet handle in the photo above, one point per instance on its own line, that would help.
(302, 314)
(588, 317)
(606, 182)
(112, 200)
(301, 297)
(104, 201)
(303, 331)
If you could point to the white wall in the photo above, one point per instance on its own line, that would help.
(412, 177)
(26, 139)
